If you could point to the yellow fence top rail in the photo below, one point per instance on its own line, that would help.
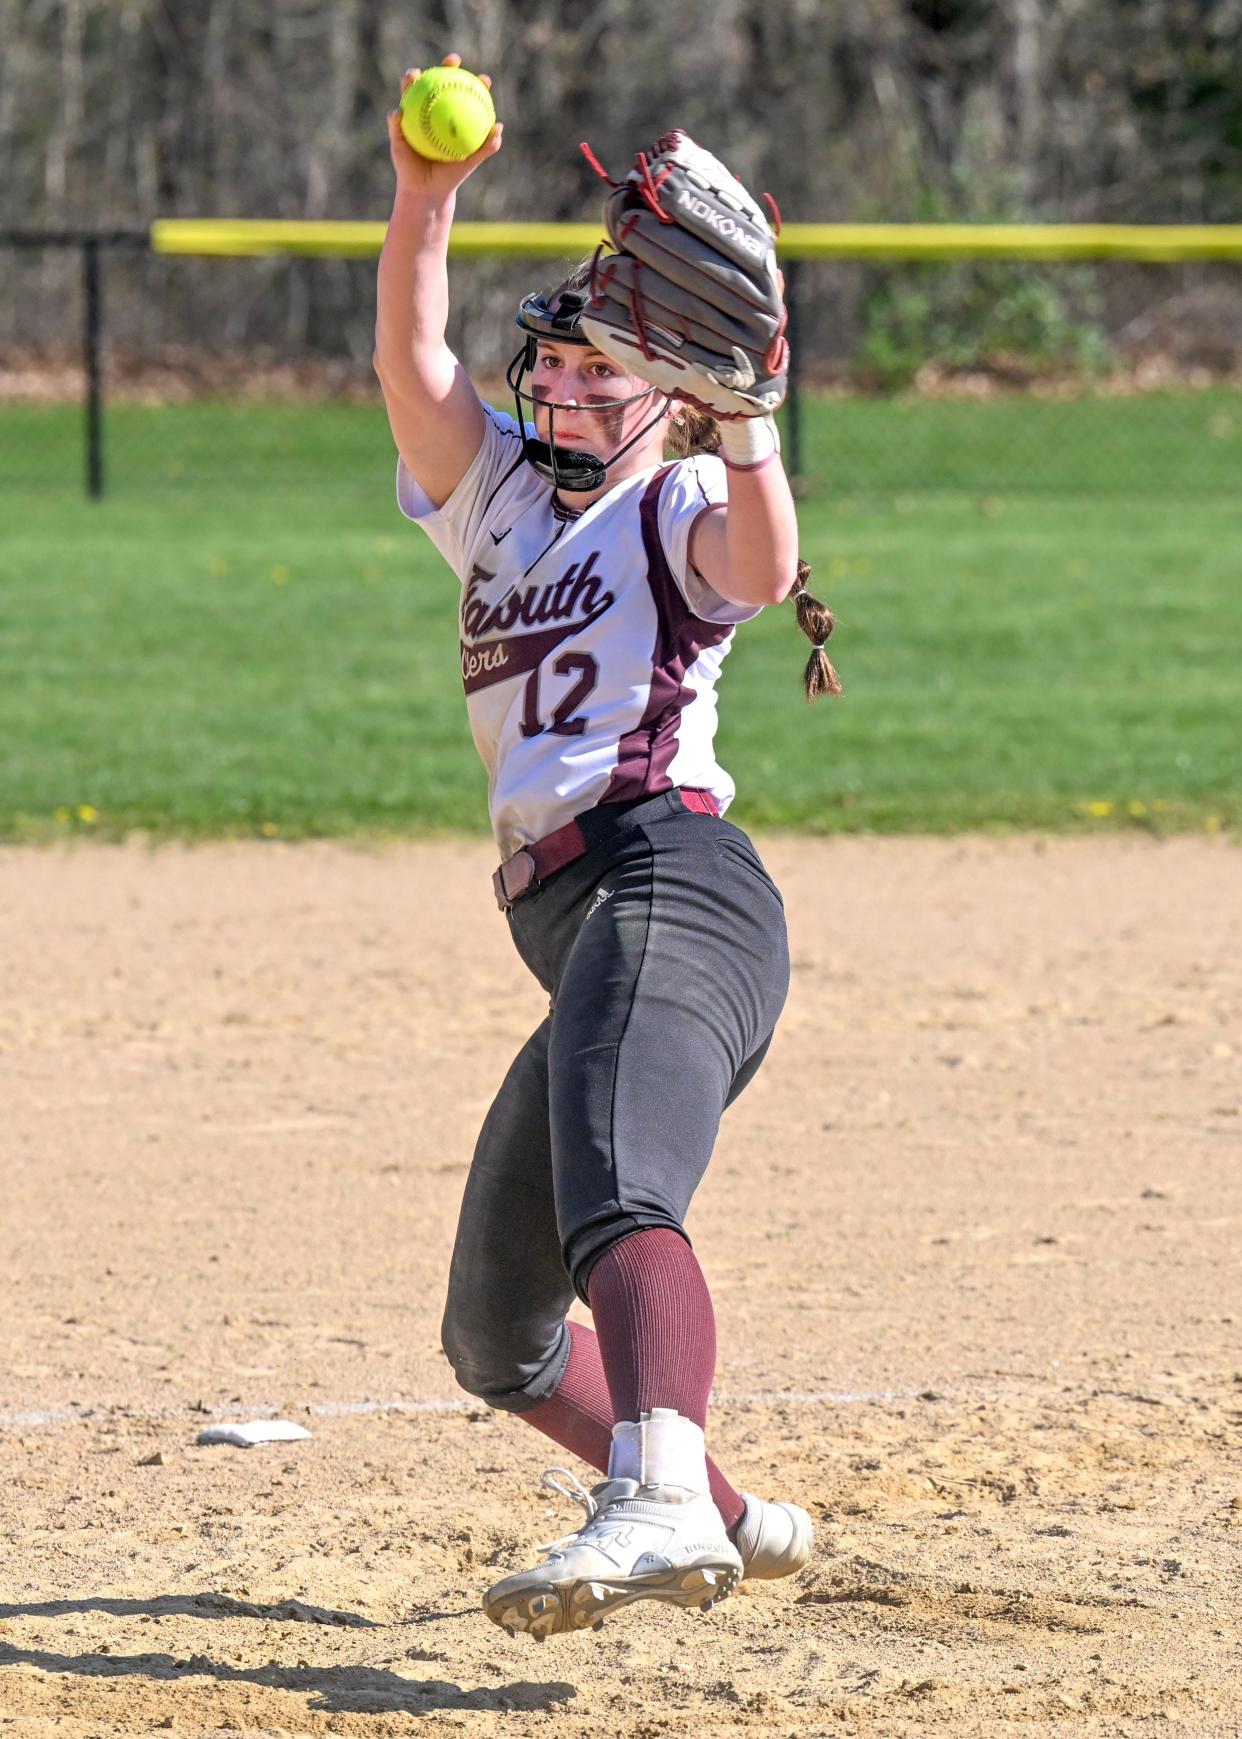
(362, 240)
(798, 241)
(1012, 241)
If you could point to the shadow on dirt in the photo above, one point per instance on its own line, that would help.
(205, 1605)
(332, 1690)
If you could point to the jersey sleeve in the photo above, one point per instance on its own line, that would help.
(692, 486)
(456, 527)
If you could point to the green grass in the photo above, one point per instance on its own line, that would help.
(1040, 613)
(1177, 445)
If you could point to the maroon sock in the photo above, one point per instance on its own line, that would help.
(656, 1327)
(578, 1415)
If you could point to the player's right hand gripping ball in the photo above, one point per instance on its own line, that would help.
(692, 299)
(446, 114)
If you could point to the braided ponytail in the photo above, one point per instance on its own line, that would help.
(816, 621)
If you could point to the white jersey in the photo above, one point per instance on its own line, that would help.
(590, 648)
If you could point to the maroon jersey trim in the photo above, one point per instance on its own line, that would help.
(646, 753)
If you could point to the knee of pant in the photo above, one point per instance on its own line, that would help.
(474, 1360)
(489, 1362)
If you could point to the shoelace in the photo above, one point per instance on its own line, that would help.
(575, 1490)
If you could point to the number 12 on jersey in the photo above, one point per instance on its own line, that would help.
(562, 722)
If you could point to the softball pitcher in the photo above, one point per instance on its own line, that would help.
(600, 591)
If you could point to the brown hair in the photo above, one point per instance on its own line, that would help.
(817, 622)
(693, 431)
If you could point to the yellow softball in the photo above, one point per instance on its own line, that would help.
(446, 114)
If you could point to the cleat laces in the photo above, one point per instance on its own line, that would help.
(580, 1495)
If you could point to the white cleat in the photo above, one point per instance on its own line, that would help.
(639, 1543)
(773, 1539)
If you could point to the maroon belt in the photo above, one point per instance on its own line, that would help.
(536, 862)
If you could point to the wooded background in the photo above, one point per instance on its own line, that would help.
(1067, 110)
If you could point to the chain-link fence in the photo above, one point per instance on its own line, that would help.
(126, 371)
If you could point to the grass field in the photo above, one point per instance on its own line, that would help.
(1040, 610)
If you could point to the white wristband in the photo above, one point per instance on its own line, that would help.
(749, 441)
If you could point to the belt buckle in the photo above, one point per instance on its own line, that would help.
(514, 877)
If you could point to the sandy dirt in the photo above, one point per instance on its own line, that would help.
(973, 1238)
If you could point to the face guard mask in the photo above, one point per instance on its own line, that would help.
(557, 316)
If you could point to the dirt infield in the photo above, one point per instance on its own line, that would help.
(972, 1235)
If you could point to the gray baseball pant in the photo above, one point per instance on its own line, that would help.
(664, 953)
